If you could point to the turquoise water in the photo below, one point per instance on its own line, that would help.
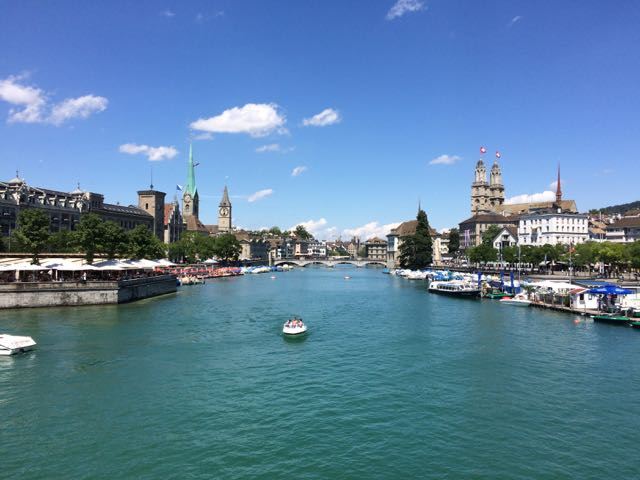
(390, 382)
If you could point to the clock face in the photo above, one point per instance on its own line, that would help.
(224, 211)
(187, 198)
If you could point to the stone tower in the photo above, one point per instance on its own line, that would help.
(496, 187)
(480, 193)
(190, 198)
(152, 202)
(224, 212)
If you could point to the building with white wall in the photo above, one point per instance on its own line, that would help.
(553, 227)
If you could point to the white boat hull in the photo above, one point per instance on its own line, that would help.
(294, 330)
(11, 344)
(517, 303)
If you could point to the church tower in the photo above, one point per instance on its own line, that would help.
(190, 198)
(224, 213)
(480, 194)
(496, 187)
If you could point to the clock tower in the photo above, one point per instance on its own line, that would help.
(224, 213)
(190, 197)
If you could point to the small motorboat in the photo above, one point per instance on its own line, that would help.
(294, 326)
(12, 344)
(273, 277)
(347, 277)
(519, 301)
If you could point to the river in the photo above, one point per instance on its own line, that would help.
(390, 382)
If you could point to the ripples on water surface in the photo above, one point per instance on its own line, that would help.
(390, 382)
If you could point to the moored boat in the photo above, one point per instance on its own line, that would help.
(518, 301)
(12, 344)
(611, 319)
(455, 289)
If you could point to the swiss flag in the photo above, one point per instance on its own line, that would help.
(498, 155)
(483, 150)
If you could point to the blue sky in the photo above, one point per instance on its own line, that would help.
(91, 91)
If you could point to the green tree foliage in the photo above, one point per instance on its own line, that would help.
(634, 254)
(482, 253)
(89, 235)
(114, 240)
(510, 254)
(227, 247)
(3, 245)
(454, 240)
(490, 235)
(33, 232)
(141, 243)
(302, 233)
(62, 242)
(275, 231)
(416, 251)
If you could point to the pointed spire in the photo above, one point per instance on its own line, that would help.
(190, 187)
(225, 202)
(558, 189)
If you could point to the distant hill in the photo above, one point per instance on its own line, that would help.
(625, 207)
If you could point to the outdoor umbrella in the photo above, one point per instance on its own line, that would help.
(610, 290)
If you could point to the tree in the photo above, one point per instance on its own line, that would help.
(89, 235)
(62, 242)
(416, 251)
(3, 245)
(33, 232)
(482, 253)
(490, 235)
(454, 240)
(302, 233)
(275, 231)
(510, 254)
(114, 239)
(141, 243)
(633, 250)
(227, 247)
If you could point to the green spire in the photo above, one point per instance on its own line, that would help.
(190, 188)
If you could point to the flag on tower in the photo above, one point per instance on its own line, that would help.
(498, 154)
(179, 187)
(483, 150)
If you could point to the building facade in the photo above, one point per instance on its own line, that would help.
(152, 202)
(376, 249)
(65, 209)
(472, 229)
(486, 196)
(624, 230)
(173, 223)
(553, 227)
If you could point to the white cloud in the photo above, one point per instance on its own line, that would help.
(445, 160)
(272, 147)
(81, 107)
(514, 20)
(328, 116)
(203, 136)
(255, 119)
(314, 227)
(32, 100)
(298, 170)
(154, 154)
(259, 195)
(34, 108)
(369, 230)
(403, 6)
(168, 13)
(546, 196)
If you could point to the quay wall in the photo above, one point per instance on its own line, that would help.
(54, 294)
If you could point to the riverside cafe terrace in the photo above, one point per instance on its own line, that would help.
(76, 269)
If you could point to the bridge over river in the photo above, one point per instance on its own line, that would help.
(358, 262)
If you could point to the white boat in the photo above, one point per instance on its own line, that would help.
(295, 326)
(454, 288)
(12, 344)
(519, 300)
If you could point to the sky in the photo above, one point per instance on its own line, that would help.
(341, 115)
